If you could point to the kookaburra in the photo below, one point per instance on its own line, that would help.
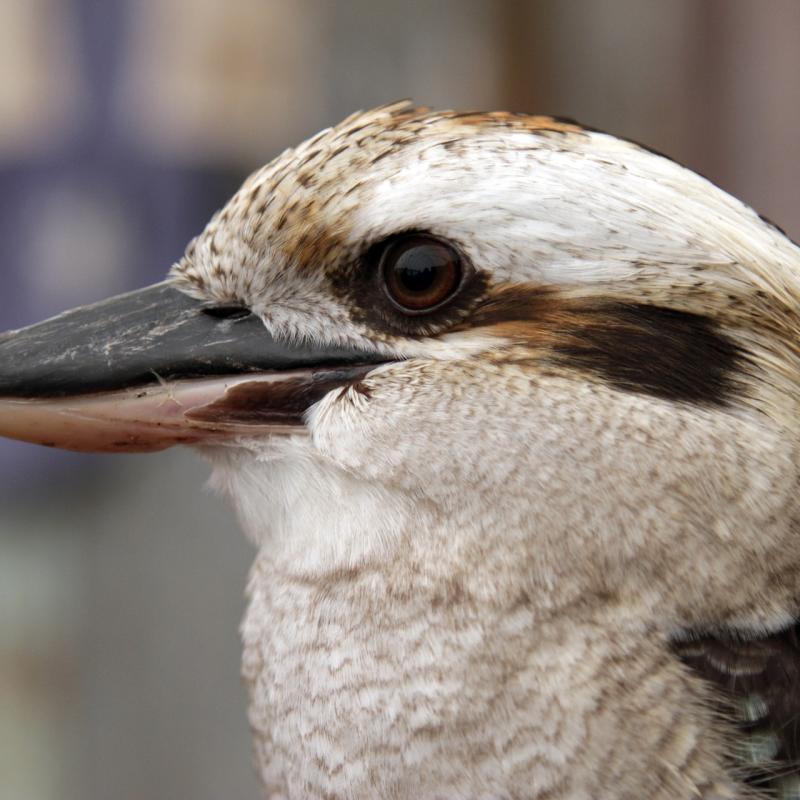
(511, 409)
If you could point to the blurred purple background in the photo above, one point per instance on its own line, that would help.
(124, 125)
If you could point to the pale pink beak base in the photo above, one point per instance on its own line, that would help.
(140, 420)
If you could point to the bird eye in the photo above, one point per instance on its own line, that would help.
(420, 273)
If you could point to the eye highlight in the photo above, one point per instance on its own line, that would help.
(420, 273)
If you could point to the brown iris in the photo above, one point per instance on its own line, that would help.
(420, 273)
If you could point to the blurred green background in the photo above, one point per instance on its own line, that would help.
(123, 125)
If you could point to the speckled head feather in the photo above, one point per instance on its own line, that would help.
(474, 568)
(604, 229)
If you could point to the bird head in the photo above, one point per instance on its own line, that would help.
(504, 355)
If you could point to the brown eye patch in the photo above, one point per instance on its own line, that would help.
(658, 351)
(663, 352)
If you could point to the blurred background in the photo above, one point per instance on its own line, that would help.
(123, 125)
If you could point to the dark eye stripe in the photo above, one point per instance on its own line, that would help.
(636, 347)
(657, 351)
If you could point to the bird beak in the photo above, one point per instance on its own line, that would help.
(154, 368)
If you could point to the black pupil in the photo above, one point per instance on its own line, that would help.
(416, 269)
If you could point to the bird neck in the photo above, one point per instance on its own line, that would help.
(476, 693)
